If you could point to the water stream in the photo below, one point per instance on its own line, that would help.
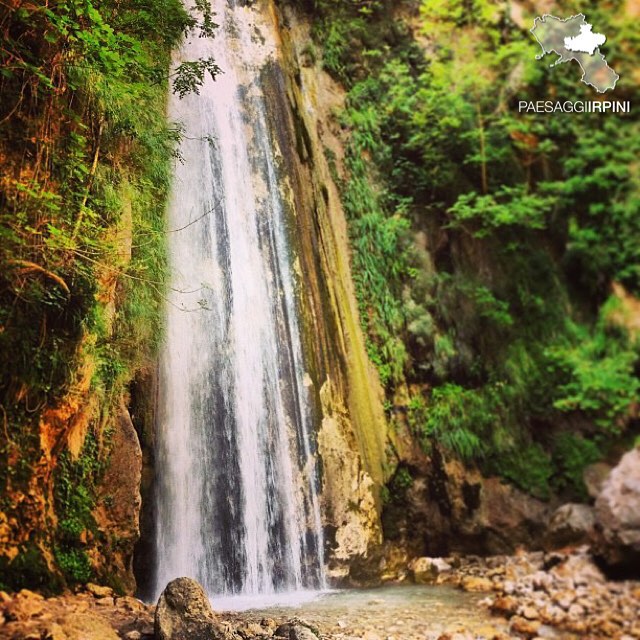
(237, 505)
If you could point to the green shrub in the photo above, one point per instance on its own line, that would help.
(597, 376)
(75, 484)
(75, 565)
(571, 454)
(528, 467)
(459, 420)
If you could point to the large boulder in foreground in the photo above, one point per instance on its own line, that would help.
(617, 513)
(184, 613)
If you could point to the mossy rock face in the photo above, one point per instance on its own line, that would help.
(29, 567)
(75, 331)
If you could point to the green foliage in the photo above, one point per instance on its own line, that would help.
(87, 155)
(381, 260)
(74, 501)
(597, 375)
(86, 151)
(508, 206)
(528, 467)
(602, 190)
(394, 499)
(571, 454)
(75, 565)
(397, 487)
(403, 479)
(190, 75)
(497, 313)
(75, 482)
(449, 416)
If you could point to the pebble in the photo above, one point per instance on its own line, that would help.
(529, 613)
(528, 628)
(99, 591)
(570, 595)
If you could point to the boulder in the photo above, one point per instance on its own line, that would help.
(571, 524)
(55, 632)
(453, 509)
(524, 627)
(118, 505)
(26, 605)
(476, 584)
(594, 477)
(296, 630)
(427, 570)
(184, 613)
(579, 569)
(505, 605)
(617, 513)
(99, 591)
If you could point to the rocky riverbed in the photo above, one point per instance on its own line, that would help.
(560, 595)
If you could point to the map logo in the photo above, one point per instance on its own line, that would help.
(573, 39)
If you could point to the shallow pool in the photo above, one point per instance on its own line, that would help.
(387, 613)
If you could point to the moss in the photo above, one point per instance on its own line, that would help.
(572, 454)
(28, 567)
(394, 501)
(75, 565)
(115, 582)
(528, 467)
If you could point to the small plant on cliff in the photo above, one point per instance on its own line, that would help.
(74, 501)
(528, 467)
(572, 454)
(74, 564)
(597, 375)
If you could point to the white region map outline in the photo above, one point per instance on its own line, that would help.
(561, 59)
(586, 41)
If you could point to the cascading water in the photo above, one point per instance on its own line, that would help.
(237, 505)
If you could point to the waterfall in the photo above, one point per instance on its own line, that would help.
(237, 505)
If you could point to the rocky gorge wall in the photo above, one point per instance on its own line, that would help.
(84, 483)
(431, 502)
(85, 151)
(448, 507)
